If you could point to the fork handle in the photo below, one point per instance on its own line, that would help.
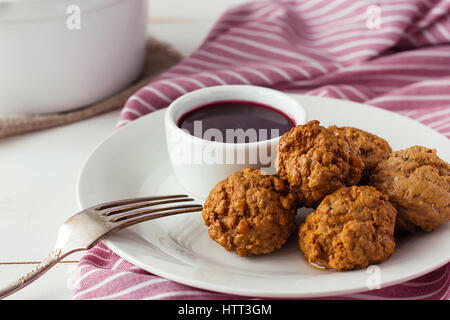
(38, 271)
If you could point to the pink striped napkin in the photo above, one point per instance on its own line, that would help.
(390, 54)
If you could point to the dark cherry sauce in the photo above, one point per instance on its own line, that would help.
(245, 115)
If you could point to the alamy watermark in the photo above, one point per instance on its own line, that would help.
(373, 21)
(73, 21)
(374, 279)
(218, 147)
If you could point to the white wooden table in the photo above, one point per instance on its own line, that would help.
(38, 171)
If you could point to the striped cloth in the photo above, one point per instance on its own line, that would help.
(103, 275)
(390, 54)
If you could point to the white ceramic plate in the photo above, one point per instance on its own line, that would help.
(134, 162)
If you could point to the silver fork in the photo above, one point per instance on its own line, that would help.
(88, 227)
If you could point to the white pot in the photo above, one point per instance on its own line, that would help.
(58, 55)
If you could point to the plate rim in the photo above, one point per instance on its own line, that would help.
(219, 288)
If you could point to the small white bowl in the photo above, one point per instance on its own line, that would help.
(199, 164)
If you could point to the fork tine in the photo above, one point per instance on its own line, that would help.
(129, 207)
(150, 216)
(112, 204)
(156, 213)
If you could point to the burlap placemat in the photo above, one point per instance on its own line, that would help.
(160, 58)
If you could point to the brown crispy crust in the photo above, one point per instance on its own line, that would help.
(417, 182)
(351, 228)
(315, 162)
(373, 148)
(250, 213)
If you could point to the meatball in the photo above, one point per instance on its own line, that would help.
(373, 148)
(417, 183)
(250, 213)
(315, 162)
(351, 229)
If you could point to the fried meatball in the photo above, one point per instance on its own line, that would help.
(373, 148)
(402, 225)
(315, 162)
(250, 213)
(351, 229)
(417, 183)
